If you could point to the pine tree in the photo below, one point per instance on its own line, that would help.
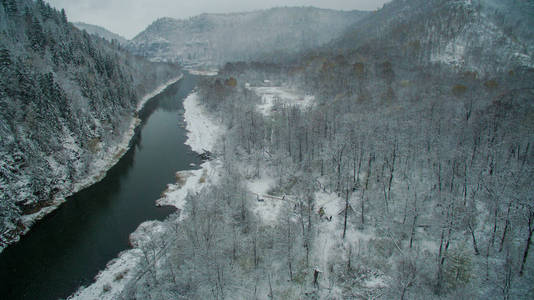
(5, 59)
(10, 6)
(64, 16)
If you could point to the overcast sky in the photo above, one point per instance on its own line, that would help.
(129, 17)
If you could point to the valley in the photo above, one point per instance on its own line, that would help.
(304, 153)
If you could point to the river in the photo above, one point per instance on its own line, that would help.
(68, 247)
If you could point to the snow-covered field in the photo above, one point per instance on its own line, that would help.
(202, 136)
(273, 95)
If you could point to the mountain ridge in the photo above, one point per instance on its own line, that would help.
(217, 38)
(469, 35)
(101, 32)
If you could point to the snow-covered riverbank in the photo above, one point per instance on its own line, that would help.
(203, 133)
(114, 154)
(99, 166)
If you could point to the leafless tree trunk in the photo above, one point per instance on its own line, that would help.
(416, 214)
(346, 212)
(529, 239)
(506, 226)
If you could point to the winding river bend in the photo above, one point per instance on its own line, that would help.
(68, 247)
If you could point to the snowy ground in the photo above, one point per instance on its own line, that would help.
(157, 91)
(208, 72)
(189, 182)
(266, 207)
(273, 95)
(202, 132)
(329, 244)
(110, 282)
(99, 166)
(202, 136)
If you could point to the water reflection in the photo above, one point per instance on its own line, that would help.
(68, 247)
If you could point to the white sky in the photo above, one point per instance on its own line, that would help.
(129, 17)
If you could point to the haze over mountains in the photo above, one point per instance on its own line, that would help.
(480, 36)
(101, 32)
(218, 38)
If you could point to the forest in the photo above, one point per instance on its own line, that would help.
(394, 162)
(408, 177)
(66, 100)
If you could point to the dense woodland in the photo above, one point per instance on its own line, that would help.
(420, 136)
(432, 161)
(66, 99)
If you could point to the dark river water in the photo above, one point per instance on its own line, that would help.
(68, 247)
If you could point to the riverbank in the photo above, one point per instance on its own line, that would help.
(202, 135)
(99, 167)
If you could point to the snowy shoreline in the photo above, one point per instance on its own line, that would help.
(202, 135)
(100, 166)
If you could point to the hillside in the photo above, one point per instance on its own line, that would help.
(394, 163)
(217, 38)
(482, 36)
(67, 104)
(101, 32)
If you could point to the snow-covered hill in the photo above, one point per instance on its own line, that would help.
(483, 36)
(217, 38)
(101, 32)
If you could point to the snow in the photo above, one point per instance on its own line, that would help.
(209, 72)
(189, 182)
(202, 131)
(271, 95)
(453, 54)
(145, 232)
(157, 91)
(375, 282)
(110, 282)
(524, 59)
(114, 154)
(267, 210)
(99, 166)
(202, 135)
(261, 185)
(328, 241)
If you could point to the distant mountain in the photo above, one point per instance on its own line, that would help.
(101, 32)
(217, 38)
(66, 100)
(483, 36)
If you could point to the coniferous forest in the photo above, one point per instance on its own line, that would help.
(66, 100)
